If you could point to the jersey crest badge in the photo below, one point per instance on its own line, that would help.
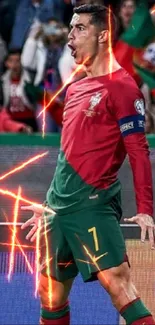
(94, 101)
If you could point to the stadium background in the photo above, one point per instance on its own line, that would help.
(90, 304)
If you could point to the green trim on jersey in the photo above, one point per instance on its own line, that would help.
(51, 140)
(69, 192)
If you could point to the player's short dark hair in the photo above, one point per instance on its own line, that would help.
(99, 16)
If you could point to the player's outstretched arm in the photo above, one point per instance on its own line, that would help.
(137, 149)
(129, 111)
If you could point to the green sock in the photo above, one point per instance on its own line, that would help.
(133, 311)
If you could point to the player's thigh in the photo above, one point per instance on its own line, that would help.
(59, 294)
(56, 258)
(96, 240)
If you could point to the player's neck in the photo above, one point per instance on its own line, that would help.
(102, 65)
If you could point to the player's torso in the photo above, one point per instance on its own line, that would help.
(91, 137)
(91, 150)
(96, 120)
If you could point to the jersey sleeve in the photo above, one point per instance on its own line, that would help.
(66, 95)
(129, 110)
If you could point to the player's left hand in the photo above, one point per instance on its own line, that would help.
(147, 224)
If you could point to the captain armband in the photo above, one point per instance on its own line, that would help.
(132, 124)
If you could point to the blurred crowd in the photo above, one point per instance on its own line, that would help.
(35, 61)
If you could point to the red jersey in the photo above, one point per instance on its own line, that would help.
(103, 122)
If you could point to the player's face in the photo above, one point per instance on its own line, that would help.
(83, 38)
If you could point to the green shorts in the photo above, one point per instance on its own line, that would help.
(84, 241)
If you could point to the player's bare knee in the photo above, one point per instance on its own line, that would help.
(43, 291)
(55, 301)
(58, 297)
(121, 288)
(121, 280)
(115, 280)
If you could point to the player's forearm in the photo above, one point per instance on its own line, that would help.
(138, 152)
(143, 183)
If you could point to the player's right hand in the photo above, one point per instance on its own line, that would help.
(36, 220)
(146, 224)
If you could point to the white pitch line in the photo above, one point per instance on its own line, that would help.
(11, 223)
(21, 223)
(129, 225)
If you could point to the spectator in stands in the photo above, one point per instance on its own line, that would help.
(81, 2)
(3, 52)
(125, 12)
(7, 124)
(13, 97)
(54, 40)
(59, 7)
(7, 15)
(43, 48)
(34, 54)
(27, 13)
(41, 53)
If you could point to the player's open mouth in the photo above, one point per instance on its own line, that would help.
(73, 50)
